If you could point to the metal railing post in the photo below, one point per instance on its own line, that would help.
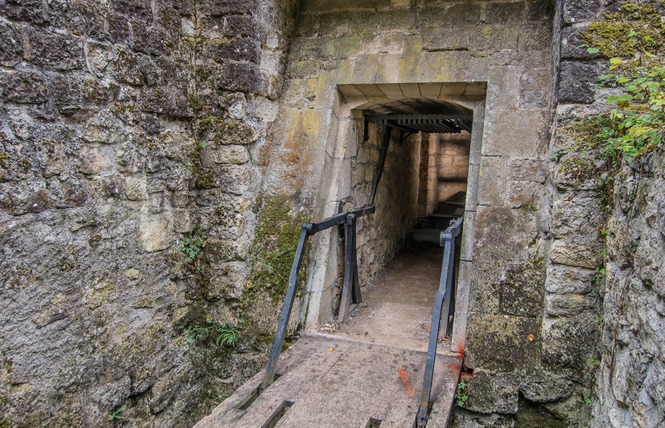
(308, 229)
(286, 309)
(444, 294)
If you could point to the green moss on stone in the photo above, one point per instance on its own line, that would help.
(202, 177)
(633, 30)
(275, 243)
(580, 168)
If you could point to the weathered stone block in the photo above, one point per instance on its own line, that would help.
(567, 279)
(239, 77)
(73, 95)
(535, 37)
(136, 189)
(234, 50)
(571, 251)
(447, 38)
(235, 179)
(85, 17)
(324, 5)
(53, 155)
(304, 68)
(241, 26)
(125, 66)
(227, 280)
(504, 13)
(527, 196)
(543, 387)
(11, 49)
(119, 28)
(133, 8)
(104, 128)
(533, 170)
(29, 11)
(227, 7)
(149, 40)
(576, 81)
(575, 171)
(569, 342)
(230, 154)
(535, 92)
(571, 42)
(171, 101)
(494, 38)
(521, 289)
(517, 133)
(54, 51)
(383, 21)
(155, 233)
(502, 342)
(566, 305)
(492, 176)
(93, 161)
(227, 251)
(38, 202)
(577, 11)
(320, 48)
(437, 16)
(491, 393)
(228, 133)
(541, 10)
(577, 216)
(23, 87)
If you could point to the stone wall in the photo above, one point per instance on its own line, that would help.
(621, 234)
(149, 158)
(630, 383)
(126, 128)
(383, 234)
(452, 164)
(346, 55)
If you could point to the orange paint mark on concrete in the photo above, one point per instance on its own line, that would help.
(406, 382)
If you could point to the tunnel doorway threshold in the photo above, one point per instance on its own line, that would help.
(397, 303)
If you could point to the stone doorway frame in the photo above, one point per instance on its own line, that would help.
(344, 125)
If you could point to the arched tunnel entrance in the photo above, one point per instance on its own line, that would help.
(396, 170)
(412, 157)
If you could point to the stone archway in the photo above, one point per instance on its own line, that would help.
(348, 171)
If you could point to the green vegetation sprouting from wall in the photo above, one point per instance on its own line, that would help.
(632, 39)
(276, 240)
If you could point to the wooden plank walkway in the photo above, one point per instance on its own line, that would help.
(335, 382)
(369, 368)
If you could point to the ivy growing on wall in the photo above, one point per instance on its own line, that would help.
(632, 39)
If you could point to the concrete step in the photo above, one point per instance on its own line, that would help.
(334, 382)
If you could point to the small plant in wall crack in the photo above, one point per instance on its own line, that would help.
(224, 334)
(460, 394)
(192, 247)
(116, 414)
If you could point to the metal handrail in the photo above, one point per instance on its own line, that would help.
(351, 287)
(444, 294)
